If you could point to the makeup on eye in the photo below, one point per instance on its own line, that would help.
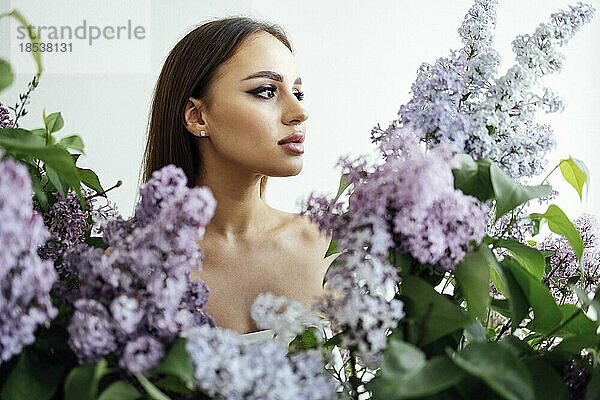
(270, 88)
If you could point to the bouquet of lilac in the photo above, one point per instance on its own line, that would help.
(135, 298)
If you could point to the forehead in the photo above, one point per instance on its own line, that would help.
(261, 51)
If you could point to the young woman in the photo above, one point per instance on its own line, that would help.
(227, 110)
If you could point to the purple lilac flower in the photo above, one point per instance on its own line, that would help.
(25, 279)
(354, 303)
(67, 223)
(457, 100)
(141, 354)
(227, 367)
(564, 265)
(91, 331)
(142, 281)
(5, 119)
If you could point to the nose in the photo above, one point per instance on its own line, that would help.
(296, 113)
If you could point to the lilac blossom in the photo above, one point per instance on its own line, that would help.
(227, 367)
(564, 267)
(286, 317)
(5, 119)
(458, 101)
(25, 279)
(67, 222)
(142, 281)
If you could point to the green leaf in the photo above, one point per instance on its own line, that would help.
(153, 391)
(473, 177)
(82, 382)
(433, 314)
(574, 344)
(54, 122)
(344, 183)
(517, 301)
(573, 174)
(531, 259)
(72, 142)
(510, 194)
(473, 277)
(90, 179)
(6, 75)
(177, 363)
(120, 390)
(36, 54)
(559, 223)
(33, 377)
(17, 139)
(304, 341)
(498, 368)
(578, 326)
(56, 180)
(547, 383)
(332, 249)
(406, 374)
(546, 312)
(593, 388)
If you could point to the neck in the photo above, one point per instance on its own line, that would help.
(240, 212)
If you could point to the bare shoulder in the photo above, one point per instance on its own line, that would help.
(315, 238)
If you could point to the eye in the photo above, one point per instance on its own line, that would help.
(264, 89)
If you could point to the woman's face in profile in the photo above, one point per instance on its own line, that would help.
(251, 110)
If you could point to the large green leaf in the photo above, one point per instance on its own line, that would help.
(547, 383)
(433, 314)
(18, 139)
(154, 392)
(177, 363)
(406, 374)
(531, 259)
(33, 377)
(82, 382)
(6, 75)
(546, 312)
(473, 277)
(510, 194)
(574, 344)
(559, 223)
(473, 177)
(574, 174)
(120, 390)
(498, 368)
(517, 300)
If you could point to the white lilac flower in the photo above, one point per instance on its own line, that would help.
(286, 317)
(142, 283)
(25, 279)
(228, 367)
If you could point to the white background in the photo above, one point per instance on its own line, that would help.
(357, 60)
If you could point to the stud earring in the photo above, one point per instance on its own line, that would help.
(203, 133)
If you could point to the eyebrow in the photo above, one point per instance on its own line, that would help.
(271, 75)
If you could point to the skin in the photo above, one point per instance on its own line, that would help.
(240, 147)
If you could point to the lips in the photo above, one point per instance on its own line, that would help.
(293, 138)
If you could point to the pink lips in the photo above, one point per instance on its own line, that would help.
(293, 143)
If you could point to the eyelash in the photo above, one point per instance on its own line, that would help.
(299, 95)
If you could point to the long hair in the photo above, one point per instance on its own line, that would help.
(188, 71)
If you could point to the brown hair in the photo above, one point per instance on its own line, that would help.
(189, 70)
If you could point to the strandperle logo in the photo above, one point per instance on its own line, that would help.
(84, 31)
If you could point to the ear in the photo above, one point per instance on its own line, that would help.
(192, 115)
